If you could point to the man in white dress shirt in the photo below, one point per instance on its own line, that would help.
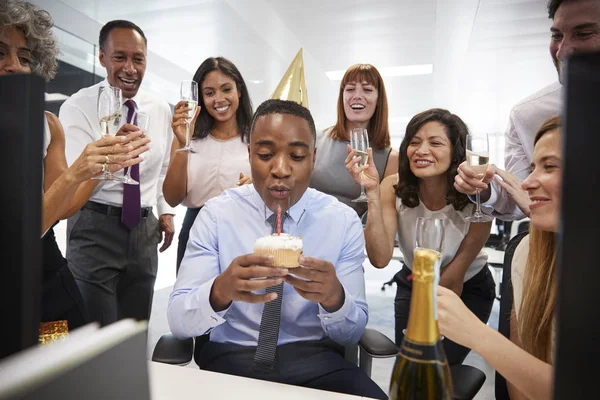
(113, 239)
(575, 29)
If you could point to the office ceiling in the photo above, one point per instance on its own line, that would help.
(486, 54)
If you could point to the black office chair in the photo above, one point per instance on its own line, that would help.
(506, 303)
(467, 380)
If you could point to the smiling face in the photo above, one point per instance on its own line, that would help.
(360, 101)
(575, 29)
(124, 57)
(429, 152)
(544, 183)
(282, 158)
(220, 96)
(15, 56)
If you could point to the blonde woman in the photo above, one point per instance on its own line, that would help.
(526, 359)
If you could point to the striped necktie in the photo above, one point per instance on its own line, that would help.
(268, 333)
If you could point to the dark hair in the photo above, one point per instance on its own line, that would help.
(118, 23)
(276, 106)
(407, 188)
(554, 5)
(243, 115)
(378, 129)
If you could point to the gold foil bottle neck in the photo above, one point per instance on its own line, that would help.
(422, 325)
(424, 265)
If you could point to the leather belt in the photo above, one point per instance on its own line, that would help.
(112, 210)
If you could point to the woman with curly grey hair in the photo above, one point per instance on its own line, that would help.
(27, 45)
(36, 26)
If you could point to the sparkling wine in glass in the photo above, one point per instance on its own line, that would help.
(110, 102)
(359, 141)
(189, 95)
(142, 121)
(478, 158)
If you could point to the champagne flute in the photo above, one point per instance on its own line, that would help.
(429, 234)
(110, 102)
(478, 157)
(189, 94)
(142, 121)
(359, 141)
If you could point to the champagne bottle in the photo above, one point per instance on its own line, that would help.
(421, 371)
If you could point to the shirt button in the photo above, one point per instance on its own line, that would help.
(327, 318)
(215, 319)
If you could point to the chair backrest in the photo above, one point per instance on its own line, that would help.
(518, 227)
(506, 303)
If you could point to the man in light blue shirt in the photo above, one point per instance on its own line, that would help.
(221, 285)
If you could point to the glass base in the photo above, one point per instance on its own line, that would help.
(127, 180)
(361, 199)
(107, 176)
(479, 218)
(185, 149)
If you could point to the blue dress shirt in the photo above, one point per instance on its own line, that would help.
(227, 227)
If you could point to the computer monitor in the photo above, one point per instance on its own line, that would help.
(578, 314)
(90, 364)
(21, 138)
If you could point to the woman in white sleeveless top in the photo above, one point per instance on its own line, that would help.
(29, 46)
(219, 156)
(526, 359)
(432, 149)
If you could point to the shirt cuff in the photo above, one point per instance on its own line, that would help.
(339, 315)
(201, 300)
(493, 195)
(162, 207)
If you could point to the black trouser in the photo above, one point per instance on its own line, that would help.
(478, 295)
(184, 234)
(115, 268)
(61, 299)
(315, 364)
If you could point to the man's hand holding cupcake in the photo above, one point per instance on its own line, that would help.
(319, 283)
(242, 277)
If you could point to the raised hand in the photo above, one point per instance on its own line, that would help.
(244, 180)
(180, 121)
(514, 189)
(467, 180)
(370, 175)
(455, 320)
(111, 153)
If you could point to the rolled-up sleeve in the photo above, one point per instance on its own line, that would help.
(346, 325)
(189, 312)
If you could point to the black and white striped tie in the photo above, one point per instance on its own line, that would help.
(268, 334)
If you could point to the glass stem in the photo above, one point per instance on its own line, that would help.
(478, 202)
(187, 134)
(362, 185)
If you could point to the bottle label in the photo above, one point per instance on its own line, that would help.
(425, 353)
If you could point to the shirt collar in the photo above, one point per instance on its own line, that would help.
(295, 212)
(135, 98)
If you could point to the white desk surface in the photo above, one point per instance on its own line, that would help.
(169, 382)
